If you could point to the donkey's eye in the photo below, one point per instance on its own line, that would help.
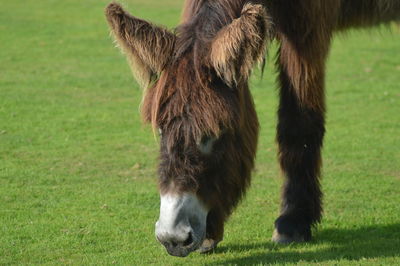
(206, 144)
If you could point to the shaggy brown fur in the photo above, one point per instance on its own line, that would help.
(147, 47)
(201, 92)
(236, 47)
(304, 31)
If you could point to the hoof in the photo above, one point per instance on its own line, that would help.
(286, 239)
(289, 230)
(208, 246)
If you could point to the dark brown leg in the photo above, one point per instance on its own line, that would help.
(215, 231)
(300, 137)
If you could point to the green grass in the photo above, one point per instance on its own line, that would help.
(78, 169)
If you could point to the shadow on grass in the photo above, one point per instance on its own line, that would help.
(378, 241)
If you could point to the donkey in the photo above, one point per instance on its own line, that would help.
(197, 96)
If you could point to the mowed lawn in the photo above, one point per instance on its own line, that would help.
(78, 182)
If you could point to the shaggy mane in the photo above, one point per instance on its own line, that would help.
(185, 79)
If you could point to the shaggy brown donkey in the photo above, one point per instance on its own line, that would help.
(197, 96)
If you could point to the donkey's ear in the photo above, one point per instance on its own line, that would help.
(148, 47)
(239, 45)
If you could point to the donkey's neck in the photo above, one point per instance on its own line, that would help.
(201, 21)
(226, 9)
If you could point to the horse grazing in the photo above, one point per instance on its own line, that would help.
(197, 96)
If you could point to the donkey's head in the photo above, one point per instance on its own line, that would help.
(198, 99)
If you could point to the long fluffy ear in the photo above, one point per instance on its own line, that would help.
(239, 45)
(148, 47)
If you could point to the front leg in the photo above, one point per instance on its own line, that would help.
(300, 137)
(215, 231)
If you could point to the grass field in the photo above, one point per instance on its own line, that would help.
(78, 169)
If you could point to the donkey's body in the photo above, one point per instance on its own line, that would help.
(199, 99)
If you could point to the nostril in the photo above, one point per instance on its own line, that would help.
(188, 241)
(174, 244)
